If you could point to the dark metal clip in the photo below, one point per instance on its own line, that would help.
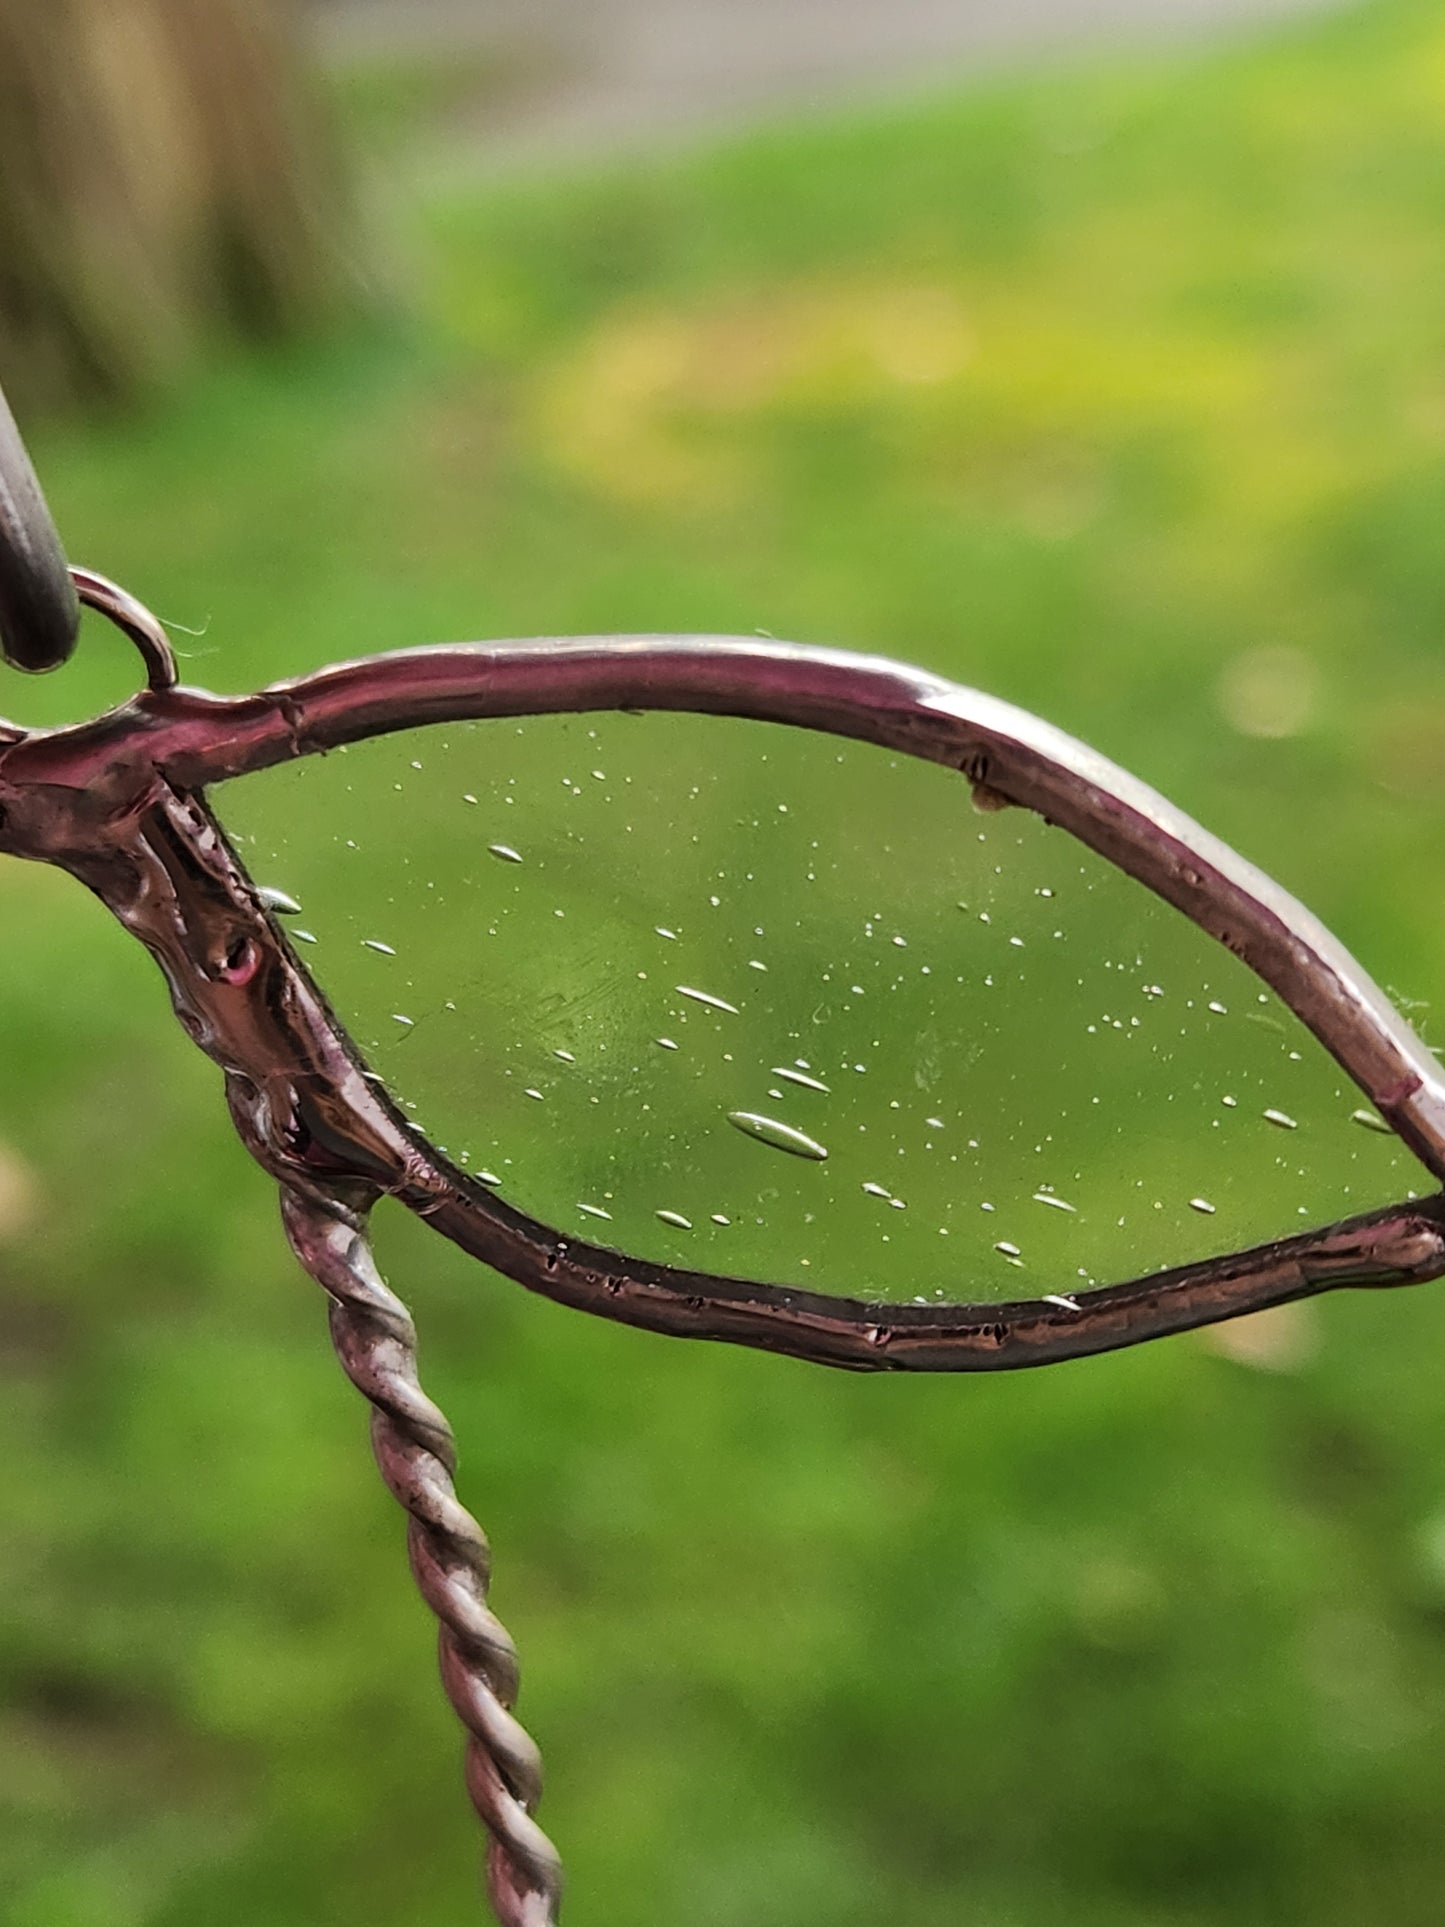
(39, 611)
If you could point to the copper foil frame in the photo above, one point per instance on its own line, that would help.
(120, 802)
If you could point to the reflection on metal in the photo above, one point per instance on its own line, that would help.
(39, 614)
(120, 803)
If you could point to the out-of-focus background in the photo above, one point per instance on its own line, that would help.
(1095, 356)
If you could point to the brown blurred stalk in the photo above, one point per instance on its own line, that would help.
(166, 180)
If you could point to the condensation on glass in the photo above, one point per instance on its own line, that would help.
(760, 1002)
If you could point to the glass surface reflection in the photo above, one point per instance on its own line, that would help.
(773, 1005)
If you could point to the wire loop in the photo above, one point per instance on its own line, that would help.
(133, 619)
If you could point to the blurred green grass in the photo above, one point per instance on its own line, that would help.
(1099, 391)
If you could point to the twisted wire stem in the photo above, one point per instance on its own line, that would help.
(375, 1340)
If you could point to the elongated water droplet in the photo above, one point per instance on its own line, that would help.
(798, 1077)
(594, 1211)
(666, 1043)
(277, 900)
(1059, 1204)
(1059, 1298)
(1202, 1205)
(1371, 1121)
(1008, 1250)
(375, 943)
(782, 1137)
(304, 936)
(1282, 1119)
(504, 853)
(676, 1219)
(706, 997)
(565, 1055)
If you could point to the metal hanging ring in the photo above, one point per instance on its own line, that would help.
(39, 615)
(134, 620)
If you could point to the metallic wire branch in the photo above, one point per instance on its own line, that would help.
(375, 1341)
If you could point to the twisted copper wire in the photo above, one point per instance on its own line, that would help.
(375, 1341)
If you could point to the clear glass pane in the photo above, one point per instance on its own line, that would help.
(775, 1005)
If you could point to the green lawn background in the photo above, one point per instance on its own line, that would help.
(1120, 394)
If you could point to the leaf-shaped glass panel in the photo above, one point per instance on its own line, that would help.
(779, 1006)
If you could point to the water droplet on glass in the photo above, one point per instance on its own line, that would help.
(706, 997)
(798, 1077)
(782, 1137)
